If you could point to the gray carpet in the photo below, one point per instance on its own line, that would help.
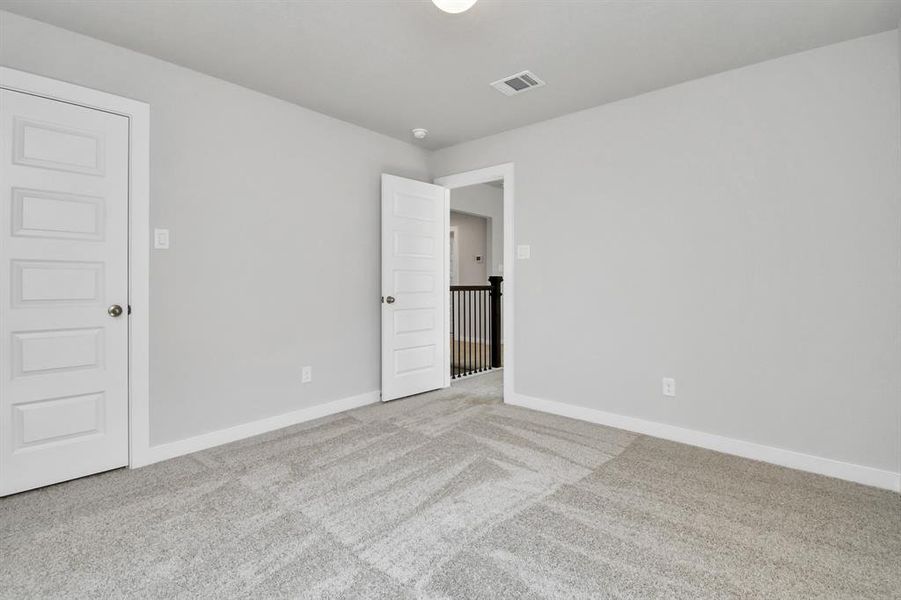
(452, 495)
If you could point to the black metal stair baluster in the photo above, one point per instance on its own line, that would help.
(482, 332)
(468, 324)
(451, 349)
(457, 339)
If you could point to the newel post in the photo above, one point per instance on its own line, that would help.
(495, 282)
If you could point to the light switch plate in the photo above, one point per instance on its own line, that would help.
(523, 251)
(669, 387)
(161, 239)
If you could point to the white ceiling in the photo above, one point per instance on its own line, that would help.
(394, 65)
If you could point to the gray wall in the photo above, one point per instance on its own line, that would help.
(472, 241)
(486, 201)
(740, 233)
(274, 215)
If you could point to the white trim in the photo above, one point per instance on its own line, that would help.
(454, 254)
(447, 322)
(503, 173)
(778, 456)
(246, 430)
(138, 114)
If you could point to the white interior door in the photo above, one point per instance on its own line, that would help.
(63, 263)
(414, 287)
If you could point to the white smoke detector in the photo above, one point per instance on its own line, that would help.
(517, 83)
(419, 133)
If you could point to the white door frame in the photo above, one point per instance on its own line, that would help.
(454, 254)
(138, 114)
(503, 173)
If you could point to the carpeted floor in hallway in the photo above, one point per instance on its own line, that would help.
(452, 494)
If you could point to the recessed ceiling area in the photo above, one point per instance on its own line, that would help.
(392, 66)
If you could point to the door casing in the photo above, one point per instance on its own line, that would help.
(138, 115)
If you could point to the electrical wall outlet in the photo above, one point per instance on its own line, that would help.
(524, 252)
(669, 387)
(306, 375)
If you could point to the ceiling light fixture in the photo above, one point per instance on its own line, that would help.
(420, 133)
(454, 6)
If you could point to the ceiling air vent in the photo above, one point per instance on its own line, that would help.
(517, 84)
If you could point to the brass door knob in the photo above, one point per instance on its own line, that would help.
(115, 310)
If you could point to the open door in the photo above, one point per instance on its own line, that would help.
(415, 334)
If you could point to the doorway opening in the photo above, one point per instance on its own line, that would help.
(480, 242)
(476, 276)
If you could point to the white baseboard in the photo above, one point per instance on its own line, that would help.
(786, 458)
(245, 430)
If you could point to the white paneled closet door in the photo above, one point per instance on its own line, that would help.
(63, 291)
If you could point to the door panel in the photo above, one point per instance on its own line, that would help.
(57, 419)
(63, 358)
(414, 238)
(57, 351)
(57, 146)
(37, 213)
